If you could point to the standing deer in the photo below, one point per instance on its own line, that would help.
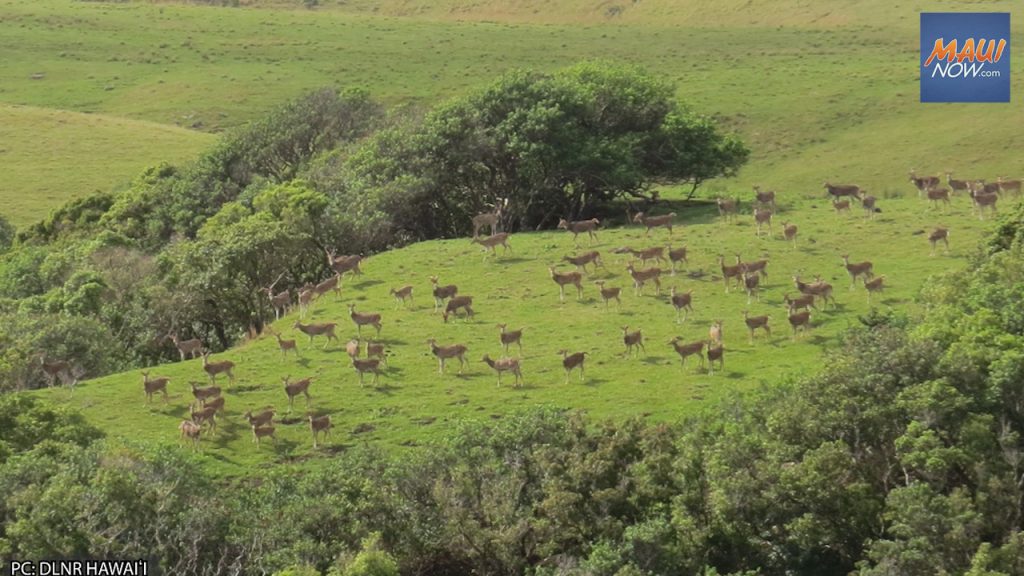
(752, 284)
(442, 293)
(281, 301)
(789, 232)
(867, 202)
(957, 185)
(401, 295)
(362, 366)
(727, 208)
(610, 293)
(151, 386)
(841, 205)
(936, 195)
(190, 348)
(762, 217)
(505, 365)
(285, 345)
(260, 432)
(293, 389)
(343, 264)
(837, 191)
(759, 267)
(650, 222)
(565, 278)
(767, 197)
(984, 200)
(364, 320)
(730, 272)
(580, 226)
(874, 285)
(447, 352)
(656, 253)
(571, 361)
(458, 302)
(306, 294)
(332, 284)
(640, 277)
(676, 256)
(202, 395)
(862, 269)
(1008, 185)
(681, 300)
(631, 340)
(715, 332)
(265, 418)
(376, 350)
(800, 320)
(489, 219)
(715, 353)
(314, 330)
(190, 430)
(937, 235)
(318, 425)
(492, 241)
(687, 350)
(207, 414)
(755, 322)
(581, 261)
(53, 370)
(803, 301)
(923, 183)
(820, 289)
(220, 367)
(509, 337)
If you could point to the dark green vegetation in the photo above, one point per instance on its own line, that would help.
(902, 456)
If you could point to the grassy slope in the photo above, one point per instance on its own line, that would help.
(414, 404)
(48, 156)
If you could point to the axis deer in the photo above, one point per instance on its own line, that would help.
(610, 293)
(819, 289)
(940, 234)
(505, 365)
(800, 320)
(190, 348)
(376, 350)
(676, 256)
(264, 418)
(580, 226)
(352, 348)
(285, 345)
(344, 264)
(202, 395)
(837, 191)
(687, 350)
(208, 415)
(876, 284)
(318, 425)
(508, 337)
(489, 219)
(649, 222)
(727, 208)
(957, 185)
(52, 370)
(293, 389)
(362, 366)
(313, 330)
(767, 197)
(656, 253)
(841, 205)
(803, 301)
(258, 433)
(759, 267)
(279, 302)
(442, 293)
(216, 404)
(444, 353)
(923, 183)
(762, 217)
(755, 322)
(715, 353)
(681, 300)
(191, 431)
(154, 385)
(70, 378)
(981, 187)
(306, 294)
(867, 202)
(789, 232)
(1008, 185)
(728, 272)
(565, 278)
(631, 340)
(401, 295)
(862, 269)
(752, 284)
(572, 361)
(936, 195)
(715, 332)
(332, 284)
(984, 200)
(489, 243)
(456, 303)
(641, 277)
(364, 320)
(581, 261)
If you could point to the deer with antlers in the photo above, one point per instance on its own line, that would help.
(581, 261)
(491, 242)
(633, 340)
(800, 321)
(940, 234)
(687, 350)
(154, 385)
(362, 366)
(862, 269)
(280, 301)
(789, 232)
(191, 431)
(212, 369)
(325, 329)
(649, 222)
(361, 320)
(401, 295)
(641, 277)
(442, 293)
(293, 389)
(505, 365)
(508, 337)
(190, 348)
(461, 302)
(681, 301)
(572, 361)
(609, 293)
(762, 217)
(765, 198)
(319, 425)
(444, 353)
(563, 279)
(579, 227)
(730, 272)
(819, 289)
(727, 208)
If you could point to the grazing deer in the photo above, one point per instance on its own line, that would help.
(376, 350)
(803, 301)
(957, 185)
(730, 272)
(265, 418)
(984, 200)
(202, 395)
(444, 353)
(190, 430)
(1008, 185)
(633, 339)
(837, 191)
(332, 284)
(862, 269)
(489, 219)
(318, 425)
(344, 264)
(800, 320)
(505, 365)
(610, 293)
(649, 222)
(442, 293)
(820, 289)
(936, 195)
(641, 277)
(401, 295)
(368, 365)
(258, 433)
(763, 198)
(676, 256)
(687, 350)
(656, 253)
(867, 202)
(154, 385)
(762, 217)
(580, 226)
(759, 267)
(681, 300)
(755, 322)
(207, 414)
(581, 261)
(364, 320)
(841, 205)
(508, 337)
(571, 361)
(715, 353)
(190, 348)
(313, 330)
(565, 278)
(727, 208)
(752, 284)
(789, 232)
(489, 243)
(456, 303)
(281, 301)
(937, 235)
(52, 370)
(293, 389)
(874, 285)
(715, 332)
(923, 183)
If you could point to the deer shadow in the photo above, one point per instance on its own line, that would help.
(364, 284)
(653, 360)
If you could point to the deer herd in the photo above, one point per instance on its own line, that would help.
(750, 275)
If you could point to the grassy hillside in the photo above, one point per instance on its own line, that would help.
(414, 404)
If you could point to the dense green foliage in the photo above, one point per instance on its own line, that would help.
(903, 456)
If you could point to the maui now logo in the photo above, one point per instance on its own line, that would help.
(965, 57)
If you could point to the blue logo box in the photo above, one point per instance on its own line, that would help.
(965, 57)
